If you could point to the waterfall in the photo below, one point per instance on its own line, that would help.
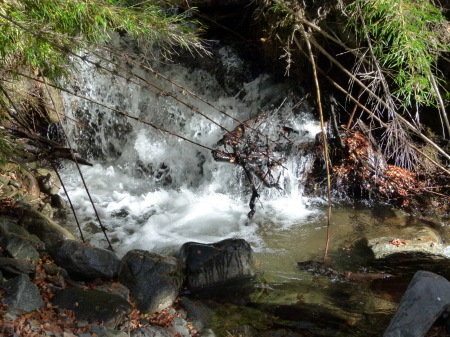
(154, 190)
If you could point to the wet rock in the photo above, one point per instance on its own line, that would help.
(226, 266)
(85, 262)
(198, 313)
(58, 202)
(94, 305)
(48, 181)
(426, 298)
(48, 231)
(22, 295)
(154, 280)
(408, 239)
(154, 331)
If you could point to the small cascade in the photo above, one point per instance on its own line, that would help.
(156, 191)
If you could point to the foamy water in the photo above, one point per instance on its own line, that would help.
(155, 191)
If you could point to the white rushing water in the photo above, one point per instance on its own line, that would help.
(155, 191)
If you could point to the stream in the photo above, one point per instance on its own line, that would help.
(156, 191)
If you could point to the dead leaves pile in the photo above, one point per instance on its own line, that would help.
(51, 320)
(363, 167)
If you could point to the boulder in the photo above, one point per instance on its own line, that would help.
(226, 265)
(9, 226)
(427, 297)
(48, 231)
(86, 263)
(154, 280)
(22, 295)
(94, 305)
(20, 248)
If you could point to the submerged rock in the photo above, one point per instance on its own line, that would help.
(223, 268)
(426, 298)
(154, 280)
(408, 239)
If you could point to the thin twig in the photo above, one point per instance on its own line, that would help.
(324, 135)
(373, 95)
(68, 199)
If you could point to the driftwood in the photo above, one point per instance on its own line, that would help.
(245, 147)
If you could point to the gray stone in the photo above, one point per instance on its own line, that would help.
(94, 305)
(20, 248)
(408, 239)
(198, 313)
(58, 202)
(10, 231)
(154, 280)
(154, 331)
(424, 301)
(85, 262)
(117, 288)
(15, 266)
(22, 295)
(47, 210)
(101, 331)
(48, 181)
(180, 326)
(48, 231)
(226, 263)
(10, 225)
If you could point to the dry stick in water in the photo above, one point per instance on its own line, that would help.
(102, 227)
(324, 135)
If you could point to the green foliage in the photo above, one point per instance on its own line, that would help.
(403, 39)
(42, 33)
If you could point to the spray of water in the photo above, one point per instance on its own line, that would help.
(155, 191)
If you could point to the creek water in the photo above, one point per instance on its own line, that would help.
(156, 191)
